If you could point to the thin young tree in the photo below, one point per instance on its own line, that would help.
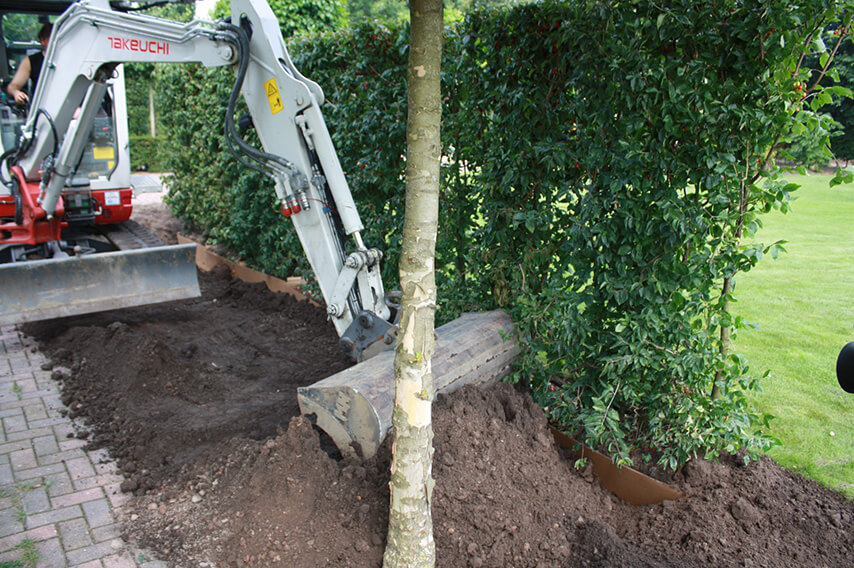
(410, 533)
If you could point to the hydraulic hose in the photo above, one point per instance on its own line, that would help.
(17, 152)
(266, 160)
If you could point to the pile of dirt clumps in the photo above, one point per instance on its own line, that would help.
(504, 496)
(158, 385)
(281, 502)
(738, 514)
(192, 397)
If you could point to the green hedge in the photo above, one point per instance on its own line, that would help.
(145, 153)
(602, 163)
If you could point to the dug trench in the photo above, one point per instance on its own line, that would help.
(196, 400)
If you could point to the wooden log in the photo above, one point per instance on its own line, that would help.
(354, 406)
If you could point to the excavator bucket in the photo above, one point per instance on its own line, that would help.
(53, 288)
(354, 406)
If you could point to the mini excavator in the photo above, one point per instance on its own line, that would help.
(65, 199)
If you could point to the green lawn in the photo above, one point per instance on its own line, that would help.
(803, 306)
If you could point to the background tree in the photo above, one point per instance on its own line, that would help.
(410, 533)
(141, 89)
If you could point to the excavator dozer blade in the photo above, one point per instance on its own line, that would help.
(54, 288)
(354, 406)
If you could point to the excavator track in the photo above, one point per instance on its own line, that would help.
(130, 235)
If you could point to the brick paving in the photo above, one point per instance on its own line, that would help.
(59, 504)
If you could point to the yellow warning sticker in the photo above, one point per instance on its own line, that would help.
(103, 153)
(273, 96)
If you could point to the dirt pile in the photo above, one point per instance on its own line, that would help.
(160, 384)
(504, 496)
(192, 397)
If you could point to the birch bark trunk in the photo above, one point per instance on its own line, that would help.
(410, 534)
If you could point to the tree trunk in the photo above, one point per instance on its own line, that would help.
(723, 348)
(152, 123)
(410, 533)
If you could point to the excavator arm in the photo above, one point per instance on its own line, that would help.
(90, 40)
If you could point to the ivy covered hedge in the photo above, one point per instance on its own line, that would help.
(145, 153)
(603, 162)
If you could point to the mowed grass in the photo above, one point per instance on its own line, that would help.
(803, 306)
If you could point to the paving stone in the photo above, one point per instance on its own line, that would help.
(44, 446)
(75, 534)
(35, 412)
(10, 558)
(14, 446)
(26, 385)
(79, 468)
(29, 397)
(93, 552)
(18, 363)
(29, 434)
(50, 554)
(23, 459)
(115, 495)
(6, 412)
(106, 468)
(100, 456)
(10, 522)
(35, 500)
(107, 532)
(53, 400)
(63, 456)
(71, 444)
(97, 481)
(78, 497)
(58, 484)
(54, 516)
(41, 471)
(93, 564)
(63, 429)
(48, 422)
(6, 476)
(98, 513)
(14, 424)
(119, 561)
(41, 533)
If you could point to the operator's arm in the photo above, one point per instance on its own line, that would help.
(19, 80)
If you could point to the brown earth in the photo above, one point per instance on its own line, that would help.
(196, 400)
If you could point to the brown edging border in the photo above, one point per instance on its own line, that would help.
(628, 484)
(207, 260)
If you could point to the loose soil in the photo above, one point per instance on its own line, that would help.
(196, 400)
